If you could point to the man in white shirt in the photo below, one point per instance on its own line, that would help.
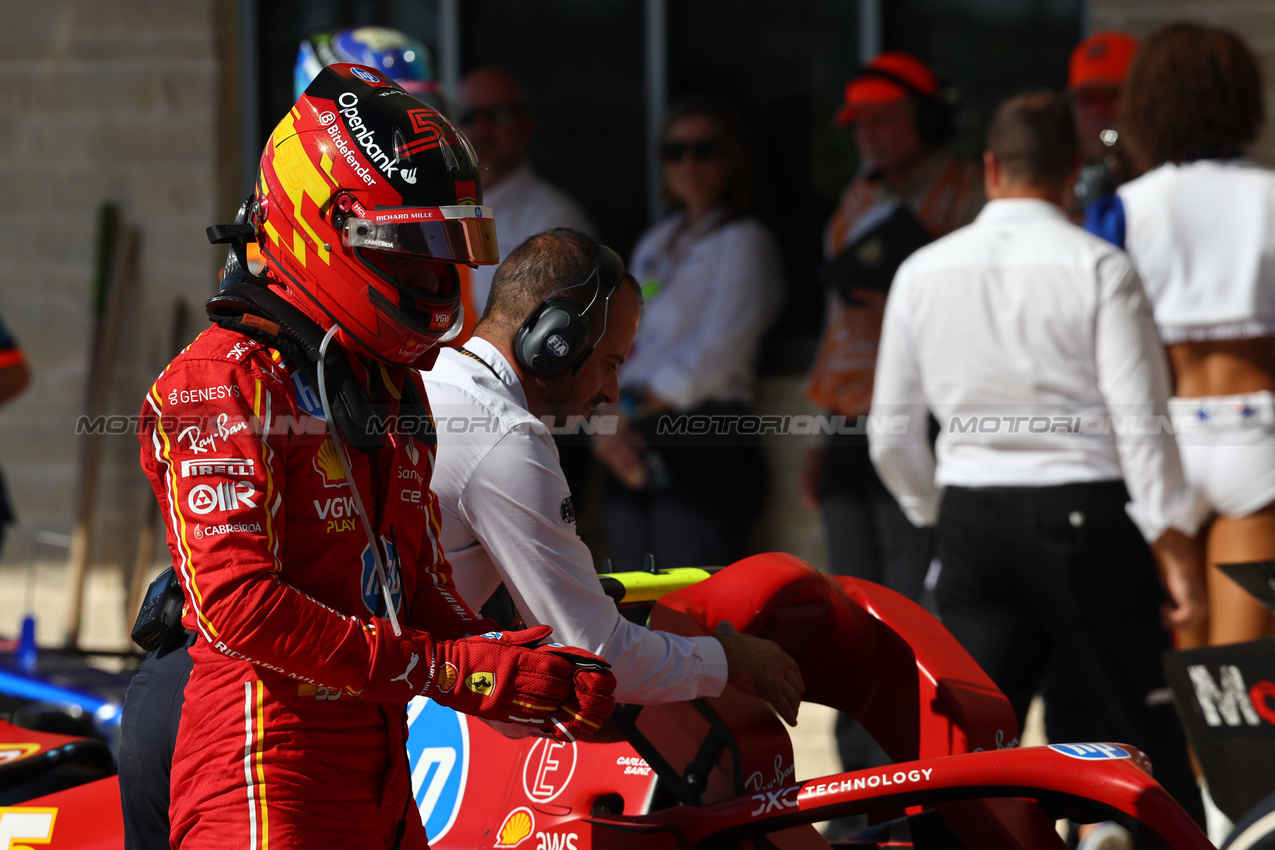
(1033, 345)
(491, 110)
(507, 510)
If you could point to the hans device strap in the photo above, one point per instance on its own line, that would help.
(555, 337)
(254, 311)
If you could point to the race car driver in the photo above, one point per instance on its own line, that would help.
(290, 449)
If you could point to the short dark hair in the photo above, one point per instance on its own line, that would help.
(1193, 91)
(540, 266)
(1033, 137)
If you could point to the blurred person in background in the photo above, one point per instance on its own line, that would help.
(1095, 76)
(1043, 534)
(911, 187)
(713, 281)
(1200, 227)
(396, 54)
(492, 111)
(14, 378)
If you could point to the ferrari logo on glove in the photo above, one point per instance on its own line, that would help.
(480, 683)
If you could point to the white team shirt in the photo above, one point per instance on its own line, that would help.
(524, 204)
(1202, 236)
(718, 290)
(506, 516)
(1022, 333)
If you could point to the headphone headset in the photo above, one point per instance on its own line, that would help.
(555, 337)
(935, 122)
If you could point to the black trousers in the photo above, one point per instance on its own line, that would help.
(699, 505)
(1035, 574)
(148, 732)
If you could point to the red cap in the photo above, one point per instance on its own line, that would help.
(867, 88)
(1102, 59)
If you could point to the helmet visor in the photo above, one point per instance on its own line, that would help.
(457, 234)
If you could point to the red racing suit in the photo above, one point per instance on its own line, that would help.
(275, 746)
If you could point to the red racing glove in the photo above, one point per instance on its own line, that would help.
(512, 676)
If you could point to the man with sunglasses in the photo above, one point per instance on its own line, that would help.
(507, 510)
(492, 111)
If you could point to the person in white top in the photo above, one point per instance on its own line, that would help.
(1200, 227)
(508, 514)
(713, 283)
(1032, 344)
(492, 111)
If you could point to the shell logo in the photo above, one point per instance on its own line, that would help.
(447, 678)
(327, 464)
(518, 826)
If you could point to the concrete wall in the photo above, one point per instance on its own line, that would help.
(100, 102)
(1252, 19)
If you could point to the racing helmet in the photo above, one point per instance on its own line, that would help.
(366, 201)
(395, 54)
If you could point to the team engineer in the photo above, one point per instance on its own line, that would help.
(507, 509)
(1019, 318)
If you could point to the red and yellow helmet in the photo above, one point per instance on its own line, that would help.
(367, 200)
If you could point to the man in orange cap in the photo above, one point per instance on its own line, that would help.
(910, 188)
(1094, 79)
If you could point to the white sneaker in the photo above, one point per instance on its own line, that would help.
(1107, 836)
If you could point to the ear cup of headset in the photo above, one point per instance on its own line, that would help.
(555, 336)
(935, 115)
(552, 337)
(935, 123)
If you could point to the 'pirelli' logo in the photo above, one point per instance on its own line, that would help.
(230, 466)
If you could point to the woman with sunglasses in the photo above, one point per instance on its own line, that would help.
(712, 280)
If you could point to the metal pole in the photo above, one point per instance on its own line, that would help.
(249, 100)
(655, 32)
(449, 48)
(869, 29)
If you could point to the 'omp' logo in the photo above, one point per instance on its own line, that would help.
(438, 751)
(1091, 752)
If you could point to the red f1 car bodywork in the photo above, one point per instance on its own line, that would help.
(719, 772)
